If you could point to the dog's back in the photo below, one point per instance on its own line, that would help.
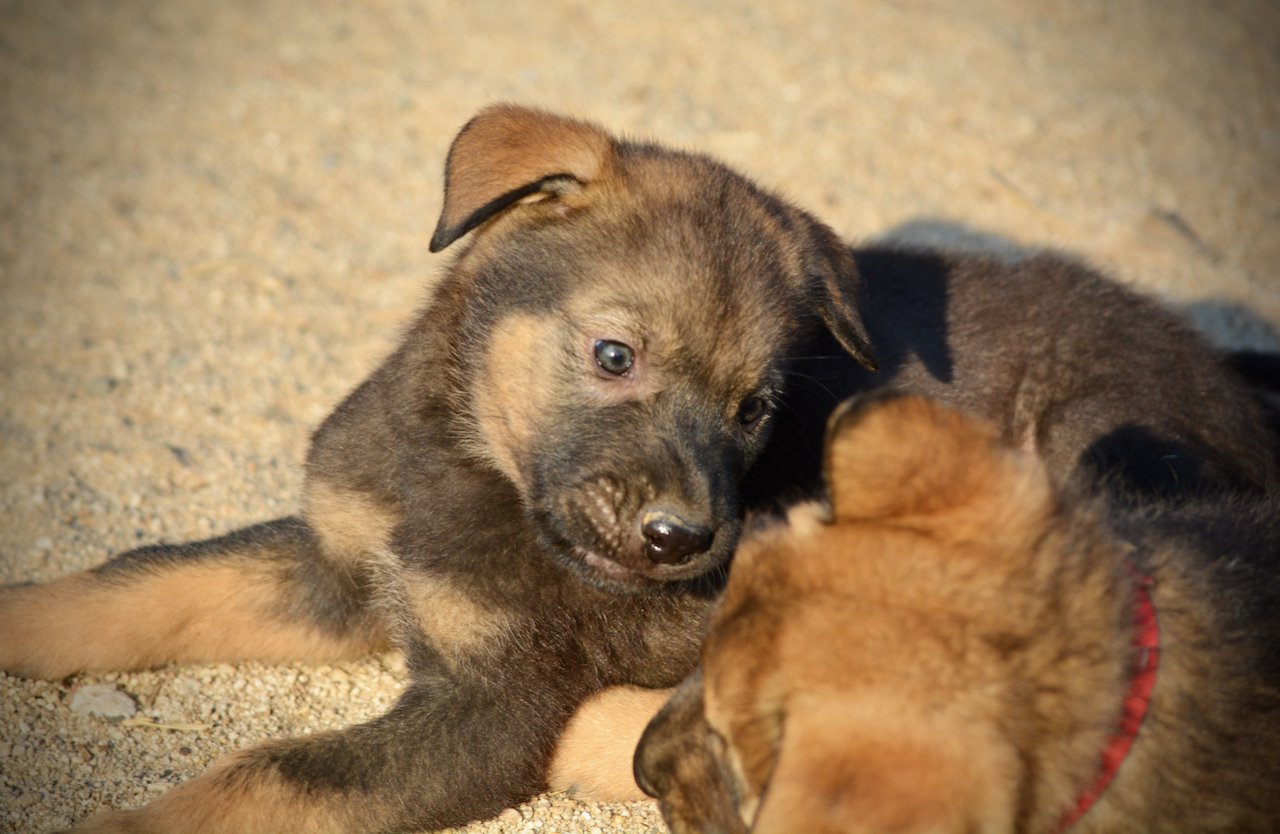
(1069, 364)
(1210, 760)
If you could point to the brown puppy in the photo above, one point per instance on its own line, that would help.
(955, 645)
(534, 495)
(531, 497)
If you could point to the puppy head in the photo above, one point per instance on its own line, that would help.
(857, 676)
(624, 317)
(896, 457)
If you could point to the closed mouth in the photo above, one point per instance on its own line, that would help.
(606, 574)
(609, 571)
(604, 565)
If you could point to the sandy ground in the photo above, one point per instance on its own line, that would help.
(214, 215)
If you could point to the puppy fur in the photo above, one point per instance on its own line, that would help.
(1098, 381)
(534, 497)
(947, 646)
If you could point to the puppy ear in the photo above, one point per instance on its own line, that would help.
(890, 455)
(675, 764)
(507, 153)
(836, 284)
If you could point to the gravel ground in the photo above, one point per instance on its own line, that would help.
(213, 221)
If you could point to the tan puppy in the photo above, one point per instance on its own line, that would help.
(957, 646)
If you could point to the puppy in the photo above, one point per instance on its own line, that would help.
(955, 644)
(534, 497)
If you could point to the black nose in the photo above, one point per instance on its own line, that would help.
(670, 540)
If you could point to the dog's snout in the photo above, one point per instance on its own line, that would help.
(671, 540)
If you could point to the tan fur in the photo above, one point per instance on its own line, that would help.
(455, 623)
(200, 612)
(231, 796)
(349, 523)
(507, 149)
(938, 478)
(593, 756)
(514, 390)
(912, 772)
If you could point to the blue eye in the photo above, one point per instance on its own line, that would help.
(614, 357)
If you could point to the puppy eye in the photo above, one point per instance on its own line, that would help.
(614, 357)
(751, 410)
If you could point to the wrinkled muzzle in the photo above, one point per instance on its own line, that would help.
(629, 510)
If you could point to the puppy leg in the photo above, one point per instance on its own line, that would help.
(262, 593)
(241, 792)
(593, 758)
(446, 754)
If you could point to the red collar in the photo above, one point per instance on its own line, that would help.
(1146, 646)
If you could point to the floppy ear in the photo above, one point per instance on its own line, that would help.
(507, 153)
(836, 285)
(890, 454)
(675, 764)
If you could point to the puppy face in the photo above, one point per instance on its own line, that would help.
(861, 671)
(626, 337)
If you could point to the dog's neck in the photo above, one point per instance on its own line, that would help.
(1146, 653)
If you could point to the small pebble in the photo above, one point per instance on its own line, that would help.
(102, 699)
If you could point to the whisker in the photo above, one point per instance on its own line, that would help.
(818, 382)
